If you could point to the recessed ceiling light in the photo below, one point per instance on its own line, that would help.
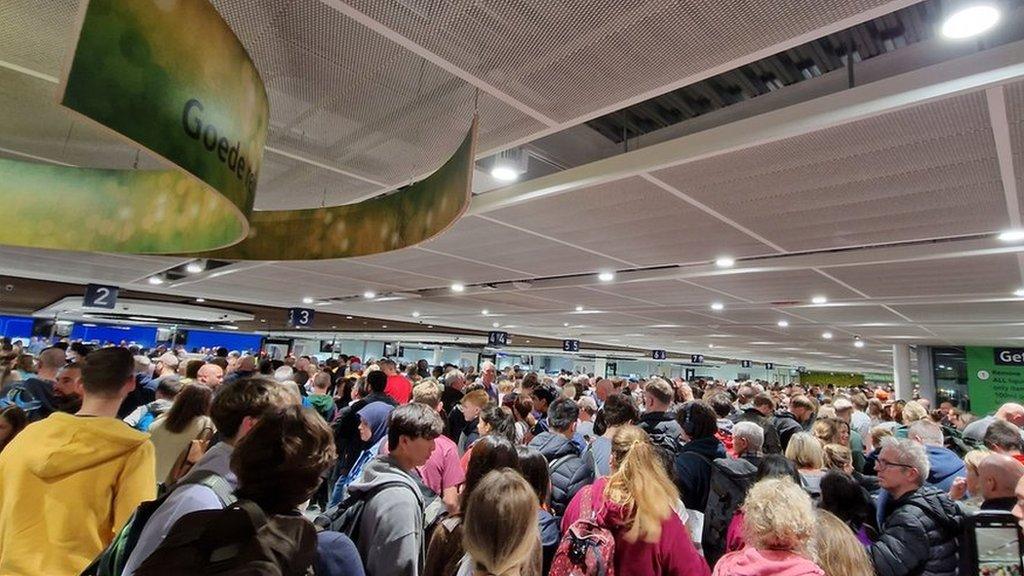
(194, 267)
(333, 327)
(717, 306)
(858, 343)
(307, 300)
(155, 280)
(606, 276)
(495, 324)
(725, 262)
(264, 320)
(566, 324)
(415, 314)
(384, 326)
(485, 312)
(711, 345)
(457, 287)
(369, 294)
(200, 300)
(826, 335)
(1019, 292)
(527, 341)
(348, 317)
(579, 308)
(970, 21)
(504, 173)
(819, 300)
(783, 323)
(430, 326)
(1011, 236)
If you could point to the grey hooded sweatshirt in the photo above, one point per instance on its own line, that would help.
(390, 538)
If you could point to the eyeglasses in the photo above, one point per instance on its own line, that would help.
(880, 464)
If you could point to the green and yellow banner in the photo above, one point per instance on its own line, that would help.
(171, 77)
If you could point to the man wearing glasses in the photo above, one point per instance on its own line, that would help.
(920, 523)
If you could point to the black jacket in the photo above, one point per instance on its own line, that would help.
(772, 444)
(693, 470)
(662, 428)
(569, 471)
(919, 536)
(786, 425)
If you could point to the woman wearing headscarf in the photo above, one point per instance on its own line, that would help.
(373, 433)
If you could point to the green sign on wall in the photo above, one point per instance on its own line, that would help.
(994, 376)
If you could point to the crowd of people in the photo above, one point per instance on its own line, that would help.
(122, 461)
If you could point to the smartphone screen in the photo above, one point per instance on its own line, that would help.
(998, 551)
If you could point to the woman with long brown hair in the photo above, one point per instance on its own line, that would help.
(174, 431)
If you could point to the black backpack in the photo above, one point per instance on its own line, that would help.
(730, 480)
(345, 517)
(112, 560)
(240, 539)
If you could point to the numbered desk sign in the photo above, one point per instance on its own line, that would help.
(99, 296)
(497, 338)
(696, 359)
(744, 363)
(570, 345)
(769, 366)
(300, 317)
(658, 355)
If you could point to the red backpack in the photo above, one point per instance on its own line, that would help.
(587, 548)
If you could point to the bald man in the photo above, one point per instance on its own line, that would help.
(210, 375)
(1010, 412)
(998, 475)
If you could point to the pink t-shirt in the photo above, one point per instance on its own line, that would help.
(442, 470)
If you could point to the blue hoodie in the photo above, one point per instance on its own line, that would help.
(946, 466)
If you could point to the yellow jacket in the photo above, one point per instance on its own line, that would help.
(67, 484)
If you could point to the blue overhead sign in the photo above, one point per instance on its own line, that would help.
(497, 338)
(300, 317)
(100, 296)
(744, 363)
(769, 366)
(696, 358)
(658, 354)
(570, 345)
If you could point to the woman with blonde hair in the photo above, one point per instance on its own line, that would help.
(778, 523)
(837, 550)
(636, 504)
(839, 458)
(805, 451)
(507, 548)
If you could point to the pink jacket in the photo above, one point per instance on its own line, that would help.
(752, 562)
(672, 555)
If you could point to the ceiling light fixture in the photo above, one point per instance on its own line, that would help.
(195, 267)
(783, 323)
(369, 294)
(307, 300)
(485, 312)
(495, 324)
(711, 345)
(606, 276)
(826, 335)
(566, 324)
(819, 300)
(579, 308)
(1011, 236)
(504, 173)
(384, 326)
(725, 262)
(970, 21)
(717, 306)
(858, 343)
(415, 314)
(509, 165)
(155, 280)
(348, 317)
(200, 300)
(457, 287)
(1019, 292)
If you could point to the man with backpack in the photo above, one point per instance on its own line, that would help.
(568, 470)
(760, 413)
(69, 482)
(389, 530)
(143, 416)
(35, 394)
(658, 420)
(730, 480)
(237, 407)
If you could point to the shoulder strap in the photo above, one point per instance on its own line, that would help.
(215, 482)
(947, 525)
(558, 462)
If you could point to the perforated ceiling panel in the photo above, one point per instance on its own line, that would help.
(634, 220)
(857, 315)
(1008, 310)
(800, 285)
(918, 173)
(1015, 117)
(352, 270)
(76, 266)
(999, 274)
(450, 268)
(568, 58)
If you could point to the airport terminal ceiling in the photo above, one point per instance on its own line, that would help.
(870, 213)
